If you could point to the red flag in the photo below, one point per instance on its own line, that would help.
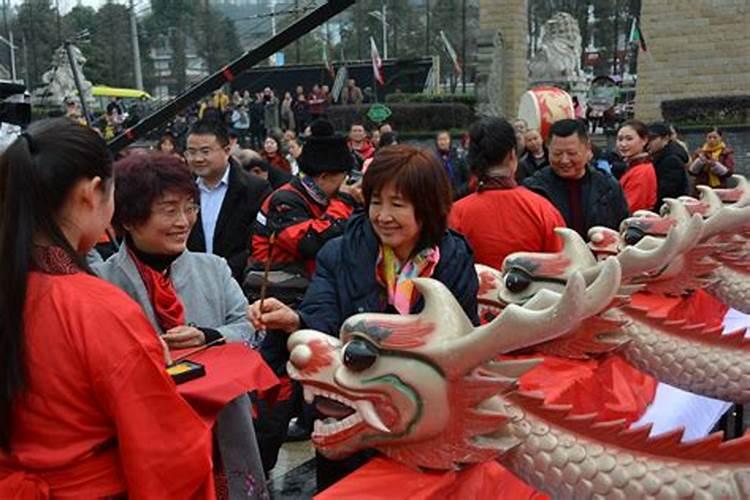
(377, 63)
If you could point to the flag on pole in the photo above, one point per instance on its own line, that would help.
(451, 53)
(636, 36)
(377, 63)
(338, 83)
(429, 82)
(327, 60)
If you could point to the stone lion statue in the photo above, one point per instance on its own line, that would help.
(58, 83)
(559, 58)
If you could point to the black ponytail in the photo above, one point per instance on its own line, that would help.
(37, 172)
(491, 141)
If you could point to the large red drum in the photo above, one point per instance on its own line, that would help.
(543, 106)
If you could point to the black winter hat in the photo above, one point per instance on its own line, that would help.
(325, 150)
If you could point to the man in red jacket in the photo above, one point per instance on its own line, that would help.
(359, 144)
(306, 212)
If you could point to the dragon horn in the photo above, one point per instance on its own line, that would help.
(519, 327)
(731, 219)
(743, 185)
(442, 308)
(604, 288)
(709, 197)
(676, 210)
(680, 213)
(636, 260)
(598, 293)
(575, 249)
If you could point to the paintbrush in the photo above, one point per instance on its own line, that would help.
(264, 284)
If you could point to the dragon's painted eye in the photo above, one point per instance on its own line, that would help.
(517, 282)
(359, 355)
(633, 235)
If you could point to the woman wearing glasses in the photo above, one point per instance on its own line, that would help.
(190, 298)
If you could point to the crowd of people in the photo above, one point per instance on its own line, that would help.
(232, 228)
(253, 117)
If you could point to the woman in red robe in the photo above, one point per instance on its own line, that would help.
(639, 180)
(86, 407)
(502, 218)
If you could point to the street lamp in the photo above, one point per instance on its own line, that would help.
(381, 16)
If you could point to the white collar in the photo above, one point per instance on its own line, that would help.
(224, 181)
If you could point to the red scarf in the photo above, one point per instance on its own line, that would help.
(167, 305)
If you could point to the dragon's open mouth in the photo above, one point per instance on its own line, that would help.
(343, 416)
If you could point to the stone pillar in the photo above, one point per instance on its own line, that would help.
(695, 49)
(502, 68)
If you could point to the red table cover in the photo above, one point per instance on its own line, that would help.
(231, 370)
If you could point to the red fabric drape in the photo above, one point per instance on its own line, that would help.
(383, 479)
(231, 370)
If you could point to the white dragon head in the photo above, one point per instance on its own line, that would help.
(418, 387)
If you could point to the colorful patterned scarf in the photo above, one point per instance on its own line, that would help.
(397, 277)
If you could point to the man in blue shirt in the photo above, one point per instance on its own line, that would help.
(229, 197)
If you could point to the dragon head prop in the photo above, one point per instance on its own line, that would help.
(679, 249)
(726, 212)
(420, 388)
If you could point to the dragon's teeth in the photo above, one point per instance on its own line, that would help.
(308, 393)
(367, 410)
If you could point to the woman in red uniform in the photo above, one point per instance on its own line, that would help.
(86, 407)
(501, 217)
(639, 181)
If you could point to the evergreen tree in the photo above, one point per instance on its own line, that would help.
(36, 26)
